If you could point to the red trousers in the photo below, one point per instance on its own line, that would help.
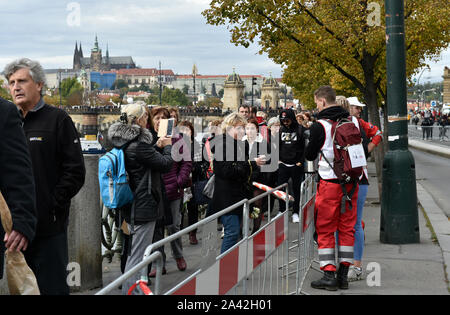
(330, 219)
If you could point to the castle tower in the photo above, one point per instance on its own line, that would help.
(270, 93)
(81, 52)
(76, 58)
(107, 61)
(96, 57)
(233, 95)
(446, 76)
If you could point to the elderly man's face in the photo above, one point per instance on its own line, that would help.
(25, 92)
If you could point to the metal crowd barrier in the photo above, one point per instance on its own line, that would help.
(305, 243)
(257, 265)
(435, 132)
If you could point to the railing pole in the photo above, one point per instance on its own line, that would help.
(245, 223)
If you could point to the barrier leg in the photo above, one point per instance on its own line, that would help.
(245, 223)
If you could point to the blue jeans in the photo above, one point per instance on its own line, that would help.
(232, 226)
(358, 246)
(359, 232)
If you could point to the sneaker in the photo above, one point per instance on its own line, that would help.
(355, 274)
(295, 218)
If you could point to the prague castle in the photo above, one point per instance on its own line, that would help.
(98, 62)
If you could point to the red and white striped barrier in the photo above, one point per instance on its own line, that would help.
(277, 193)
(308, 213)
(239, 262)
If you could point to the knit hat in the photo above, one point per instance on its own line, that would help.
(273, 121)
(131, 113)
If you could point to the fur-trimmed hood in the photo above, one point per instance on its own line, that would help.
(120, 133)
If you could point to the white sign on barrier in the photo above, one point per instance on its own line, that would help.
(209, 244)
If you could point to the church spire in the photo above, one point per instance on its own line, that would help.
(81, 51)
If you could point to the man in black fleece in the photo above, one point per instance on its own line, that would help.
(59, 172)
(292, 146)
(16, 181)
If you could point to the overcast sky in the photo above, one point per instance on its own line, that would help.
(171, 31)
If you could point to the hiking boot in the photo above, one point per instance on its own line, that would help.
(181, 264)
(193, 238)
(342, 278)
(355, 274)
(328, 282)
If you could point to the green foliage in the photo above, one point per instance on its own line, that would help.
(169, 97)
(4, 93)
(70, 86)
(174, 97)
(120, 83)
(332, 41)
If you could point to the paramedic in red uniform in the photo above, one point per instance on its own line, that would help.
(328, 214)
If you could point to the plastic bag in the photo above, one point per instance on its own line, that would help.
(21, 279)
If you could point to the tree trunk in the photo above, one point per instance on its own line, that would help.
(371, 99)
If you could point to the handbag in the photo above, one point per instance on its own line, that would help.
(197, 191)
(208, 191)
(21, 279)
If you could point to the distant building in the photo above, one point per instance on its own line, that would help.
(105, 80)
(207, 81)
(270, 93)
(150, 77)
(446, 92)
(98, 62)
(233, 95)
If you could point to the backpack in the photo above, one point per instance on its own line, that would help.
(346, 137)
(113, 179)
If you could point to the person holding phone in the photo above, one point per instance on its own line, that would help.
(141, 157)
(175, 181)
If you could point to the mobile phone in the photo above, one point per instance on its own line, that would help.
(166, 127)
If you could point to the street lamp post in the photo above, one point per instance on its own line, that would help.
(423, 98)
(399, 213)
(59, 83)
(160, 85)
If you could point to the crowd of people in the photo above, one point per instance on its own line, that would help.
(42, 168)
(428, 119)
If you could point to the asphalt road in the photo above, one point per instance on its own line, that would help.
(433, 172)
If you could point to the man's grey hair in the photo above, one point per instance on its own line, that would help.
(36, 71)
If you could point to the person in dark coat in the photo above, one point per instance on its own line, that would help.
(58, 169)
(198, 175)
(16, 182)
(292, 157)
(144, 165)
(233, 170)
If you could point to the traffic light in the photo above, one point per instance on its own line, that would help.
(254, 81)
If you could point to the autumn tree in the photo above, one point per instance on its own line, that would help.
(4, 93)
(336, 42)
